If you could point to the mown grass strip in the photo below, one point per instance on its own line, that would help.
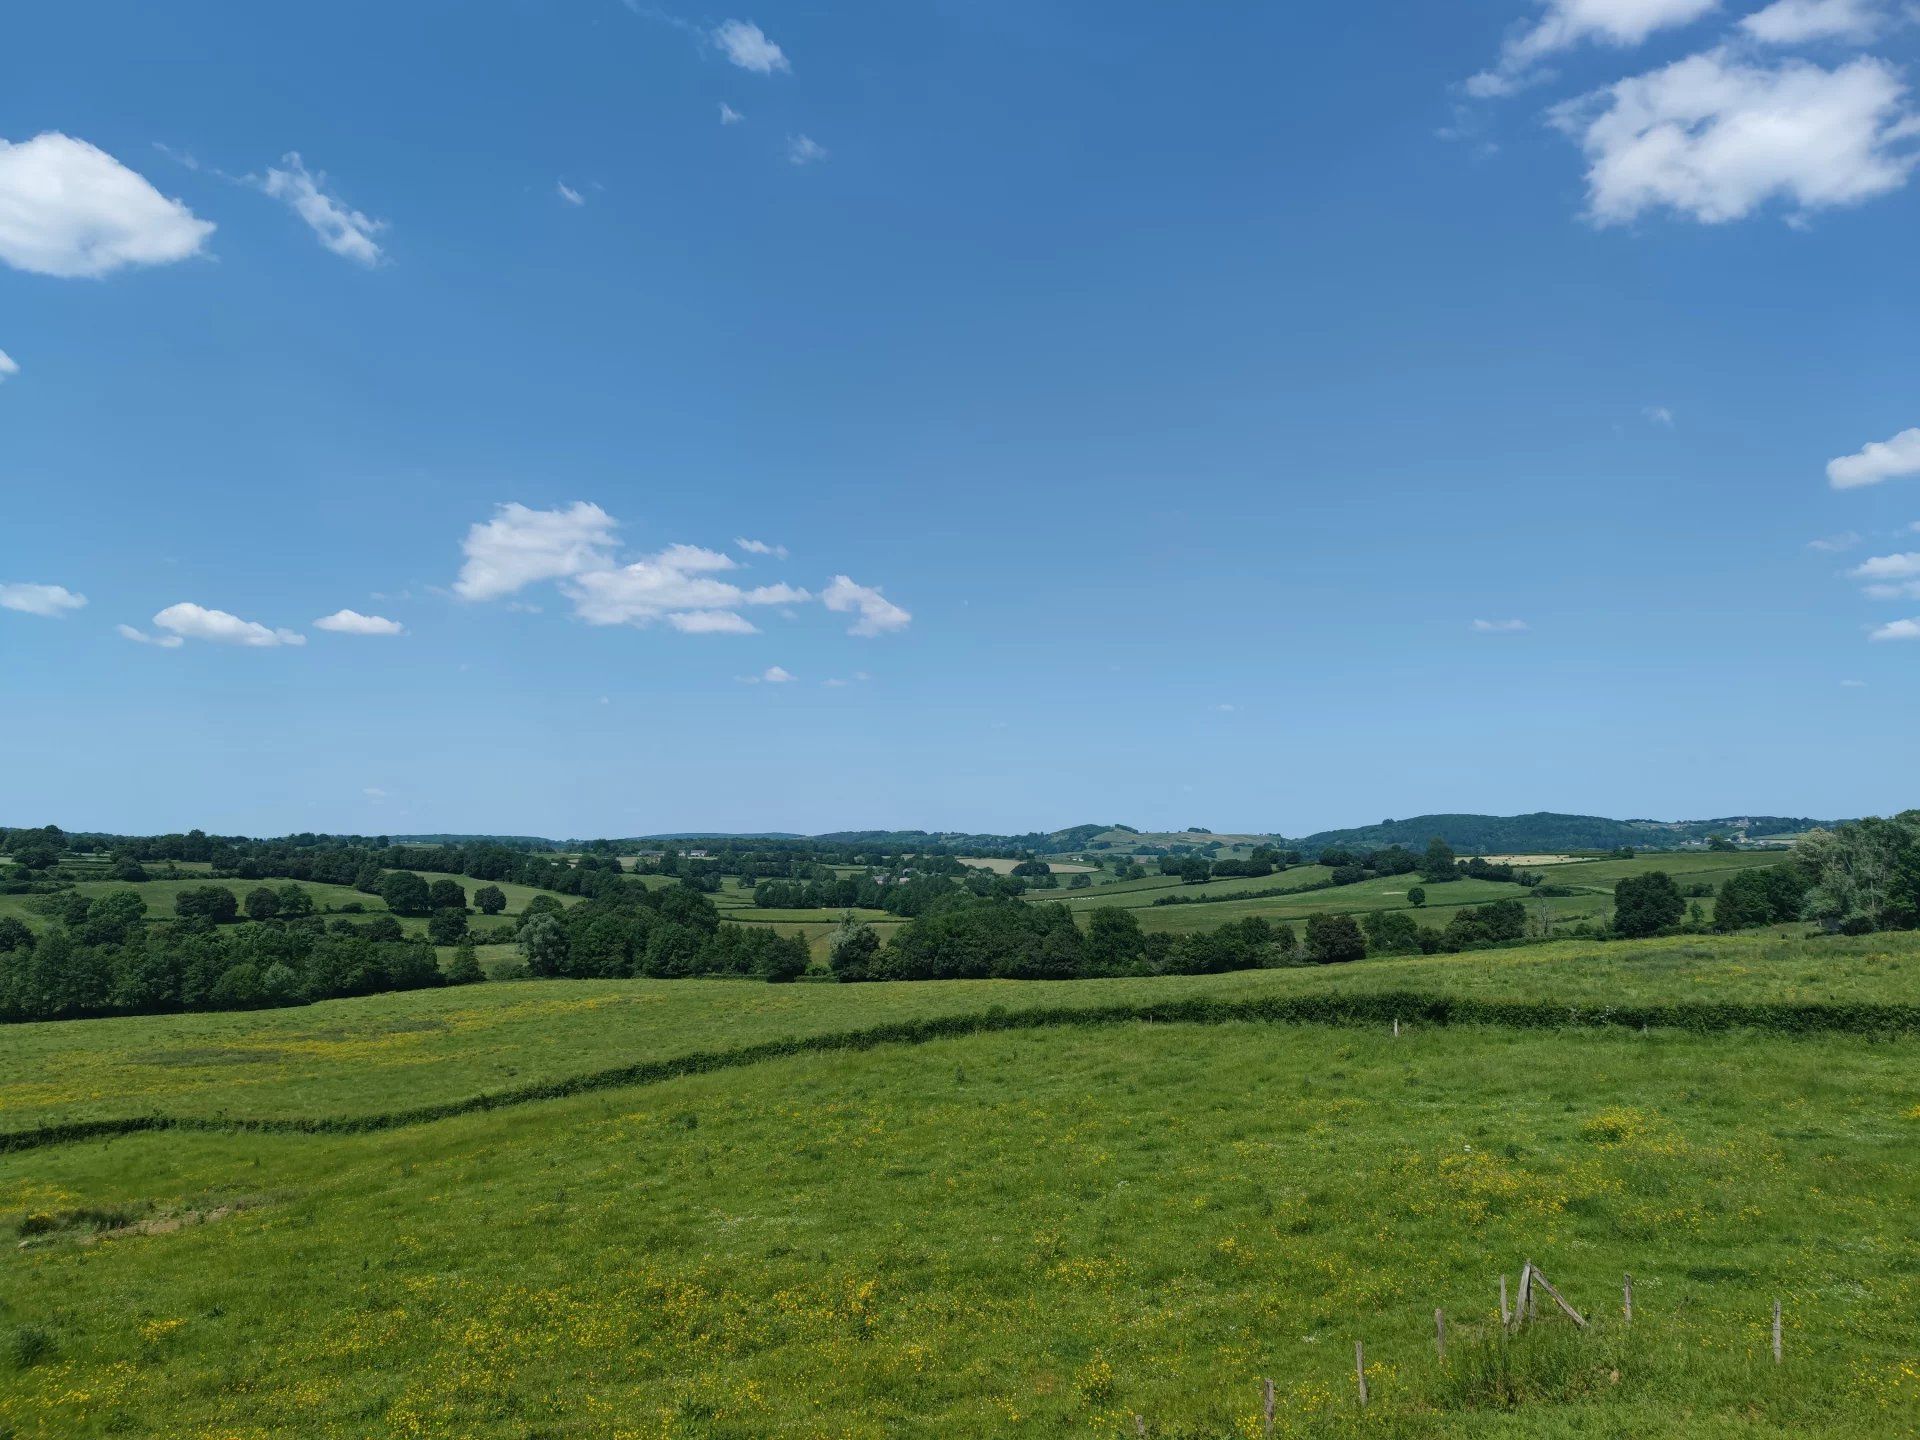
(1378, 1008)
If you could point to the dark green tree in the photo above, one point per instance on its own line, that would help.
(262, 903)
(406, 893)
(444, 894)
(1647, 904)
(447, 927)
(1437, 866)
(1332, 939)
(465, 969)
(490, 899)
(215, 904)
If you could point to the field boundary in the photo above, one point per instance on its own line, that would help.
(1379, 1008)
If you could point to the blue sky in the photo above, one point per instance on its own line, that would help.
(1263, 419)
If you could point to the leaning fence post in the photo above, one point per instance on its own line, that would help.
(1626, 1297)
(1776, 1331)
(1267, 1386)
(1360, 1370)
(1440, 1335)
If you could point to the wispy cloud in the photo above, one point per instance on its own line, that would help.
(746, 45)
(1567, 23)
(1499, 627)
(1795, 22)
(729, 115)
(343, 230)
(8, 365)
(53, 602)
(1898, 630)
(567, 193)
(878, 615)
(1834, 544)
(141, 637)
(519, 547)
(760, 547)
(804, 150)
(1659, 415)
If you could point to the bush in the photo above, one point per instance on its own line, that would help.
(31, 1345)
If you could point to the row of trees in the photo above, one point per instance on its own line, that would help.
(664, 934)
(965, 938)
(111, 962)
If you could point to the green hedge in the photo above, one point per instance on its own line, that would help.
(1380, 1008)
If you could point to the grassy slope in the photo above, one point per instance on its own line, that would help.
(1040, 1233)
(350, 1057)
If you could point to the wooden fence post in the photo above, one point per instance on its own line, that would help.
(1440, 1335)
(1776, 1332)
(1626, 1296)
(1360, 1370)
(1506, 1316)
(1139, 1425)
(1268, 1386)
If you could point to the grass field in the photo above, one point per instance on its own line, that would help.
(1042, 1233)
(362, 1056)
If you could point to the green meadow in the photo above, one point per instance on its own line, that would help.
(1041, 1232)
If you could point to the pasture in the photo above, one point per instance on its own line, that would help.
(1040, 1232)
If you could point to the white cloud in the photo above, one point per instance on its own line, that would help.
(71, 210)
(681, 585)
(1225, 708)
(140, 637)
(195, 622)
(520, 546)
(1888, 567)
(567, 193)
(1853, 684)
(746, 45)
(760, 547)
(878, 615)
(1794, 22)
(51, 601)
(776, 675)
(729, 115)
(374, 792)
(1898, 630)
(1714, 138)
(804, 150)
(709, 622)
(1876, 461)
(1499, 627)
(346, 232)
(1659, 415)
(781, 594)
(352, 622)
(8, 365)
(1904, 590)
(1567, 23)
(1834, 544)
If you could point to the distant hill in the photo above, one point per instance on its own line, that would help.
(1546, 831)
